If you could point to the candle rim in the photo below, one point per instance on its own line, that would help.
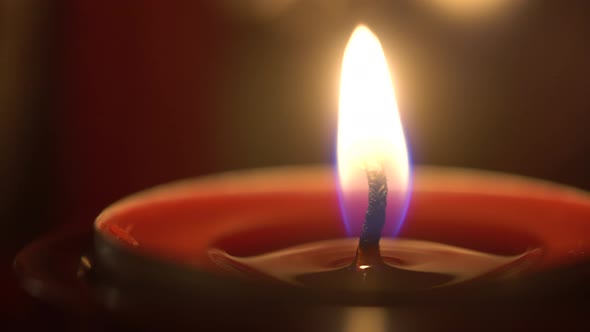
(234, 182)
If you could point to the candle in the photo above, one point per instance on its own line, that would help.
(264, 231)
(282, 240)
(172, 244)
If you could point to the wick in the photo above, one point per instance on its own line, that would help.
(368, 253)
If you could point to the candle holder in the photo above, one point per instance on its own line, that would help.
(161, 257)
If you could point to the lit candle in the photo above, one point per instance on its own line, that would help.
(276, 237)
(285, 224)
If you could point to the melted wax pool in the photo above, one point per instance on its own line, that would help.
(408, 264)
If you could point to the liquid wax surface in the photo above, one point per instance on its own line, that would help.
(411, 263)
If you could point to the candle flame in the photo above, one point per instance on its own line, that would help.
(370, 134)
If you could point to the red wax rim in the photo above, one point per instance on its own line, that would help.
(255, 211)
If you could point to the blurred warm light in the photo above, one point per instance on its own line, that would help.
(469, 9)
(260, 9)
(361, 319)
(370, 133)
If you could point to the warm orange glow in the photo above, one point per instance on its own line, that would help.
(370, 133)
(470, 9)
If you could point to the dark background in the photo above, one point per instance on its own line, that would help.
(100, 99)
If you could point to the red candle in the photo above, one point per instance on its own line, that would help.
(177, 248)
(460, 223)
(152, 265)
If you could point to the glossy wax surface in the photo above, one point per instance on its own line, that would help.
(256, 211)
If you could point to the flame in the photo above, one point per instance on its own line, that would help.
(370, 133)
